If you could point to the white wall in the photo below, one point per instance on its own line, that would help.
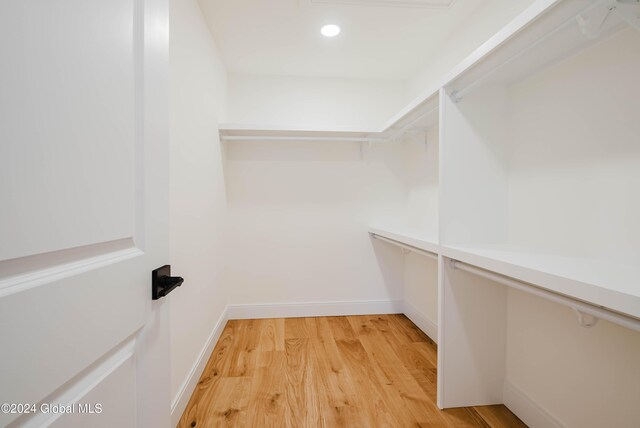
(489, 19)
(299, 213)
(587, 378)
(421, 177)
(474, 170)
(197, 192)
(421, 292)
(313, 102)
(421, 213)
(574, 181)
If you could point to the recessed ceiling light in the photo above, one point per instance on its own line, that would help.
(330, 30)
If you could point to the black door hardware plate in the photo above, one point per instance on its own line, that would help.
(162, 283)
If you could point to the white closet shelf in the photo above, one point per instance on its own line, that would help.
(418, 116)
(266, 133)
(515, 53)
(612, 286)
(409, 237)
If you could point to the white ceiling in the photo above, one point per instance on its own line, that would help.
(388, 39)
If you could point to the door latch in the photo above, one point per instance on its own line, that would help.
(162, 283)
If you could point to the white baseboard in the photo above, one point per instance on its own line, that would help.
(314, 309)
(528, 410)
(425, 324)
(181, 399)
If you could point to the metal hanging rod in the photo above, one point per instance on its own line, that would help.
(405, 247)
(290, 138)
(457, 95)
(588, 314)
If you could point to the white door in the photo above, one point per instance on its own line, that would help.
(83, 212)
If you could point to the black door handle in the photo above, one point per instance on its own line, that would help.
(162, 283)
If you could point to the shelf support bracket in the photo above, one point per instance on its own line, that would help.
(586, 320)
(455, 96)
(368, 143)
(587, 25)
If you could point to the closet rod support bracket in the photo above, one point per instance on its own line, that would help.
(586, 320)
(587, 28)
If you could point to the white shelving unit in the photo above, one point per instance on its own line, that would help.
(539, 162)
(539, 177)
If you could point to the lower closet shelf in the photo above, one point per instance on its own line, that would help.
(612, 286)
(408, 237)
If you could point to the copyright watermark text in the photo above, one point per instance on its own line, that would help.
(21, 408)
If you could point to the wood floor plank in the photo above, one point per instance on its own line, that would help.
(349, 371)
(361, 325)
(271, 334)
(389, 369)
(464, 417)
(413, 357)
(427, 379)
(302, 385)
(338, 396)
(341, 328)
(296, 328)
(406, 327)
(200, 402)
(428, 350)
(228, 406)
(370, 400)
(244, 349)
(499, 417)
(267, 393)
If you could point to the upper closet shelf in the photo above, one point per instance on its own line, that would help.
(230, 132)
(537, 40)
(411, 121)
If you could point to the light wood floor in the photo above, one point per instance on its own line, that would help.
(356, 371)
